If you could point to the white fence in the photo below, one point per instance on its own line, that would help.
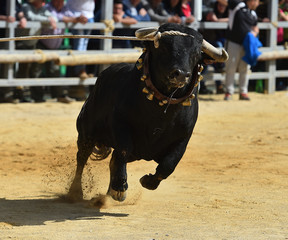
(269, 75)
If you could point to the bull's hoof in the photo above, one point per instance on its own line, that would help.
(150, 182)
(74, 196)
(117, 195)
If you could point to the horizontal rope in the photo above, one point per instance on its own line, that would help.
(25, 38)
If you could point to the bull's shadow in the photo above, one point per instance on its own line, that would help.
(25, 212)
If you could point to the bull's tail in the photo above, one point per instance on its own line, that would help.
(100, 152)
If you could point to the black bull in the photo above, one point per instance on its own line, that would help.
(145, 110)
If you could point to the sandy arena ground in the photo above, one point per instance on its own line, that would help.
(231, 184)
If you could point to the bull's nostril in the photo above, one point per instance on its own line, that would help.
(179, 74)
(188, 74)
(176, 73)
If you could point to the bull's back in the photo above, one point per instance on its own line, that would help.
(112, 81)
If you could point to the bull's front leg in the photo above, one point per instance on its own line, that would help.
(167, 165)
(118, 176)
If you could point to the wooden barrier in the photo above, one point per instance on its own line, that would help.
(273, 55)
(87, 59)
(71, 60)
(105, 58)
(38, 56)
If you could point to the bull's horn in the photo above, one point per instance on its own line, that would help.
(146, 33)
(216, 54)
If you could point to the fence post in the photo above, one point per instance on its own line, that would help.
(272, 41)
(197, 10)
(10, 32)
(106, 14)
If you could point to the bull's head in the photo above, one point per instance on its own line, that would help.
(175, 54)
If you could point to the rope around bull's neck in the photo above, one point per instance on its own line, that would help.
(154, 38)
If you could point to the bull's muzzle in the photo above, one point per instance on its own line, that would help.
(179, 78)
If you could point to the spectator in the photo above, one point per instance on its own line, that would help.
(119, 16)
(281, 17)
(94, 44)
(217, 37)
(61, 13)
(6, 93)
(158, 13)
(242, 20)
(171, 6)
(284, 8)
(83, 9)
(19, 15)
(176, 7)
(135, 9)
(186, 13)
(219, 13)
(34, 11)
(262, 15)
(262, 11)
(281, 84)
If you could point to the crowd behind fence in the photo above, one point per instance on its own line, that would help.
(9, 80)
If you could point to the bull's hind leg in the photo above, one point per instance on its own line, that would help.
(118, 176)
(84, 150)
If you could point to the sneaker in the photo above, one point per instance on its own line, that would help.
(228, 97)
(244, 96)
(220, 89)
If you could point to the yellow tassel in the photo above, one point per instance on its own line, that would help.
(143, 77)
(187, 103)
(145, 90)
(163, 102)
(201, 68)
(150, 96)
(139, 65)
